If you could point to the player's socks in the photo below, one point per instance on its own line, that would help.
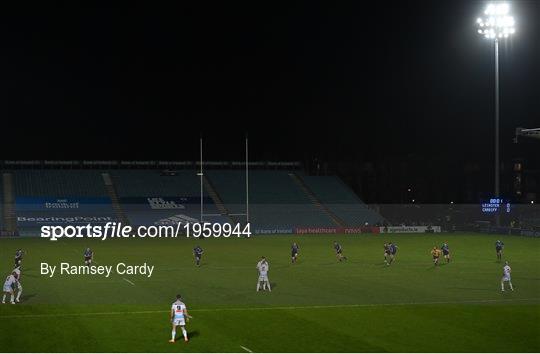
(511, 287)
(4, 299)
(269, 288)
(12, 299)
(184, 332)
(258, 286)
(173, 334)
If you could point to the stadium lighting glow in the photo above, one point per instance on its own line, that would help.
(497, 22)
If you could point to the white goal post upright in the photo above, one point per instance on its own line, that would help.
(200, 173)
(201, 176)
(247, 181)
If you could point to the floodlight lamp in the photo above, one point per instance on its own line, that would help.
(497, 20)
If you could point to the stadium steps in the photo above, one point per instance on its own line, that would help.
(10, 219)
(111, 191)
(212, 192)
(313, 198)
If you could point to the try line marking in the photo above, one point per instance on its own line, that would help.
(246, 349)
(268, 308)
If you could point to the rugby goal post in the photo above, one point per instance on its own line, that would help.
(200, 174)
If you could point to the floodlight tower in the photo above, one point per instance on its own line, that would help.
(496, 25)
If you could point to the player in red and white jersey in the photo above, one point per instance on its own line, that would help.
(17, 273)
(179, 316)
(9, 284)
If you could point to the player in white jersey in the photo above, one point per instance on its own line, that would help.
(506, 276)
(263, 268)
(10, 282)
(179, 316)
(17, 273)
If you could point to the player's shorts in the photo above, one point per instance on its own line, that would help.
(498, 250)
(198, 256)
(294, 254)
(8, 289)
(446, 253)
(339, 252)
(87, 258)
(179, 322)
(435, 257)
(506, 278)
(263, 277)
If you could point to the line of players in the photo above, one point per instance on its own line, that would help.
(179, 315)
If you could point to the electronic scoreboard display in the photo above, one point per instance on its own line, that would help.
(496, 205)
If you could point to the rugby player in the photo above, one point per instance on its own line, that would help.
(18, 257)
(179, 317)
(506, 276)
(17, 273)
(499, 245)
(88, 256)
(393, 250)
(294, 252)
(436, 253)
(9, 284)
(446, 251)
(263, 268)
(386, 253)
(339, 251)
(197, 253)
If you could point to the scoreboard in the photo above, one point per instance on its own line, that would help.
(496, 205)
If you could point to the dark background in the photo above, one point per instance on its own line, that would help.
(404, 89)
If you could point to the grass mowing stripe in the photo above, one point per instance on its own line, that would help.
(271, 308)
(129, 281)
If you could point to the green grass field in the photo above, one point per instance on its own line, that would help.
(317, 305)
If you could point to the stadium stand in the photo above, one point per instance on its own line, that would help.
(341, 200)
(59, 196)
(59, 183)
(139, 183)
(279, 199)
(134, 188)
(275, 199)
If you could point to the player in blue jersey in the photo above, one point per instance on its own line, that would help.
(446, 251)
(393, 248)
(197, 253)
(294, 252)
(499, 246)
(339, 251)
(18, 257)
(88, 256)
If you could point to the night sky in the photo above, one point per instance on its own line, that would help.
(341, 81)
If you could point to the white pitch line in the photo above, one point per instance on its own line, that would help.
(129, 281)
(270, 308)
(246, 349)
